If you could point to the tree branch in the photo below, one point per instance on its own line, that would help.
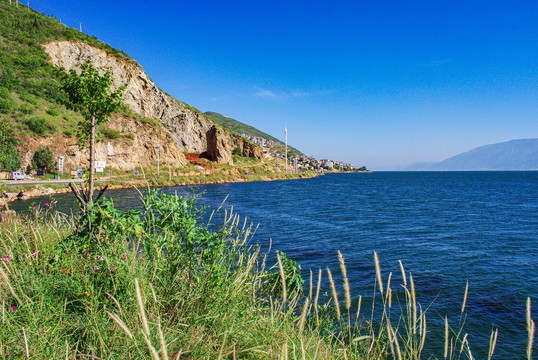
(75, 191)
(102, 192)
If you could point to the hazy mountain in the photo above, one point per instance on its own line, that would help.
(419, 166)
(511, 155)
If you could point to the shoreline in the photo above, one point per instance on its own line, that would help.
(42, 189)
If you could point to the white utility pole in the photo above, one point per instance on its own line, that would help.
(286, 136)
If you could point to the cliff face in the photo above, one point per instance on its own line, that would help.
(220, 144)
(187, 127)
(134, 149)
(191, 131)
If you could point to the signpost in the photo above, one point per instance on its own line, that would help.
(60, 165)
(100, 166)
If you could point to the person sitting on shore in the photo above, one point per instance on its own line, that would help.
(20, 195)
(4, 194)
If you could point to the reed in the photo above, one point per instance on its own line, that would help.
(214, 303)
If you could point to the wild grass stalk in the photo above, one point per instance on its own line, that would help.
(204, 302)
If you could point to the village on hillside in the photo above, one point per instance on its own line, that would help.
(302, 162)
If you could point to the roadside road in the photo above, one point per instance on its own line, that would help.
(14, 183)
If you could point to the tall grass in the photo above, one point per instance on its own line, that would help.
(161, 285)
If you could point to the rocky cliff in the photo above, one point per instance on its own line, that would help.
(134, 147)
(187, 127)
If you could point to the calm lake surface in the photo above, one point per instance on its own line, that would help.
(446, 227)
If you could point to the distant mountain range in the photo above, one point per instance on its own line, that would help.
(519, 154)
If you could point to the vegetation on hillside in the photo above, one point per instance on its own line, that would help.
(10, 159)
(28, 83)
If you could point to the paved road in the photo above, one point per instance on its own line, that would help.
(14, 183)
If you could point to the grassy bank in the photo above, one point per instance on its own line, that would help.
(159, 284)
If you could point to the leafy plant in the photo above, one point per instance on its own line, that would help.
(237, 152)
(292, 277)
(53, 112)
(90, 94)
(38, 125)
(110, 134)
(43, 159)
(10, 158)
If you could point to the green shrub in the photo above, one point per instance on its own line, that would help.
(237, 152)
(29, 99)
(53, 112)
(26, 109)
(39, 125)
(6, 106)
(110, 134)
(10, 160)
(43, 159)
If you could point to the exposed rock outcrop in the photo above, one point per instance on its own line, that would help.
(186, 126)
(220, 144)
(248, 149)
(134, 148)
(189, 128)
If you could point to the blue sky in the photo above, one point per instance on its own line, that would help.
(376, 83)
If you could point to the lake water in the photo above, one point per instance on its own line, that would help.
(446, 227)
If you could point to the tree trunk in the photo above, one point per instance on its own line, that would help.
(92, 159)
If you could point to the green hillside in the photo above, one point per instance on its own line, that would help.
(240, 128)
(28, 83)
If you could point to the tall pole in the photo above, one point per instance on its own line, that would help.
(286, 136)
(158, 160)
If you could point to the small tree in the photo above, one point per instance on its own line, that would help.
(43, 159)
(10, 159)
(90, 94)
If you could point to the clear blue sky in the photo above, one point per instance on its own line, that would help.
(376, 83)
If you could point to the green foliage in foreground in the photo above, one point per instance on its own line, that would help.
(158, 284)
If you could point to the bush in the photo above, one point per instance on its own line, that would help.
(6, 106)
(39, 125)
(10, 160)
(110, 133)
(53, 112)
(43, 159)
(26, 109)
(237, 152)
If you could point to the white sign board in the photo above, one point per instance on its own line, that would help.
(60, 163)
(99, 169)
(99, 164)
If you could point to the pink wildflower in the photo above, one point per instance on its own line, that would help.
(34, 254)
(13, 308)
(46, 204)
(100, 258)
(124, 257)
(7, 258)
(102, 233)
(96, 268)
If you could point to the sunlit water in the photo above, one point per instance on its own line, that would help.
(447, 228)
